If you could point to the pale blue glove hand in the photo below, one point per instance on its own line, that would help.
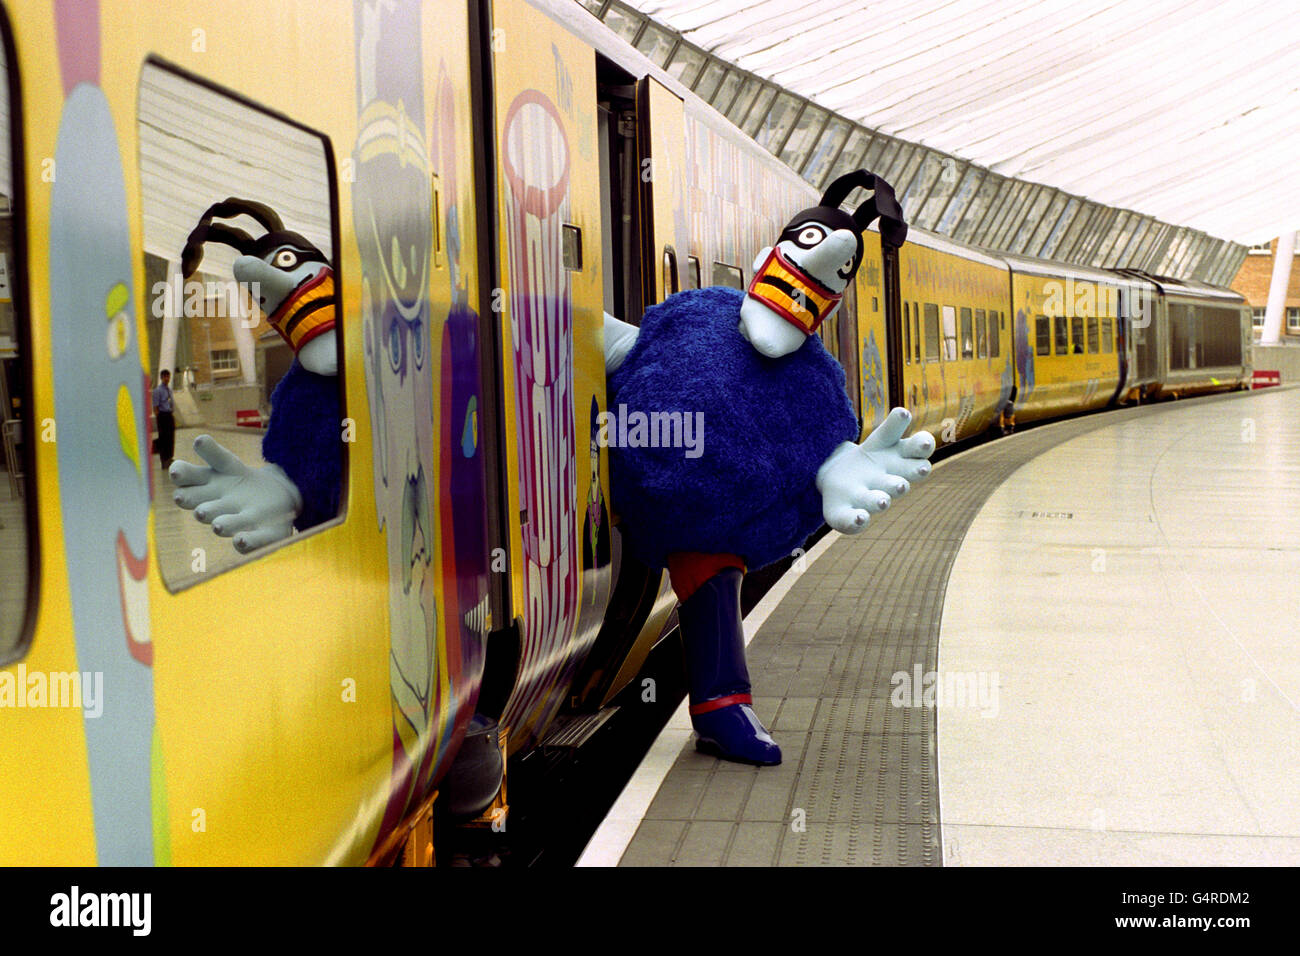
(257, 506)
(861, 480)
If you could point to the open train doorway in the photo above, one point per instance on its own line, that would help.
(640, 601)
(620, 164)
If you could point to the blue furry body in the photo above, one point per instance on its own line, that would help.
(768, 426)
(304, 438)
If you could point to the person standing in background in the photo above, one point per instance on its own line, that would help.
(162, 410)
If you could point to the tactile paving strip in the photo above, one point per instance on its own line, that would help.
(859, 780)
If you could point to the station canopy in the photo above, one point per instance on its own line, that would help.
(1183, 110)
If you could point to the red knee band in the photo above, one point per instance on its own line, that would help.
(689, 569)
(720, 702)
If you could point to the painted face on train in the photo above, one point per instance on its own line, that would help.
(800, 282)
(392, 209)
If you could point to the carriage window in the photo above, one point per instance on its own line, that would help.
(981, 334)
(949, 334)
(967, 339)
(995, 319)
(1042, 336)
(907, 333)
(1107, 335)
(239, 243)
(724, 274)
(1076, 335)
(931, 332)
(1062, 335)
(17, 512)
(570, 248)
(1092, 334)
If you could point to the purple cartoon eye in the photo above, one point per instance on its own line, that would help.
(397, 347)
(417, 342)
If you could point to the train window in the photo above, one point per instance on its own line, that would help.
(994, 320)
(1042, 336)
(967, 335)
(218, 176)
(907, 333)
(724, 274)
(1062, 335)
(931, 332)
(949, 334)
(981, 334)
(1107, 335)
(571, 247)
(693, 272)
(1076, 334)
(1179, 337)
(17, 509)
(1092, 334)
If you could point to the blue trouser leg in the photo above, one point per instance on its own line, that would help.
(714, 642)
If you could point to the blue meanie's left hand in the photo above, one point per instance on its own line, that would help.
(860, 480)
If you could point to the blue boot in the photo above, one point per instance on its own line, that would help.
(715, 671)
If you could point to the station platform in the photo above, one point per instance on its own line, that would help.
(1072, 646)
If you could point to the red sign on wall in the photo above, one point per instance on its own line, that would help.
(1263, 379)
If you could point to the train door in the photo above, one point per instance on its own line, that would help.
(551, 284)
(866, 360)
(1123, 342)
(661, 163)
(893, 325)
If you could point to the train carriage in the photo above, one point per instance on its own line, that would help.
(1066, 320)
(1205, 335)
(952, 342)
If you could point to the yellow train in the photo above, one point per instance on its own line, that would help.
(481, 181)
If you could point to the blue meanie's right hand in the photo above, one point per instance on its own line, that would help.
(255, 506)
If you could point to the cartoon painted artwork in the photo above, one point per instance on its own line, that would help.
(102, 419)
(874, 402)
(535, 163)
(463, 506)
(1025, 348)
(392, 205)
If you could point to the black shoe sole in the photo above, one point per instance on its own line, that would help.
(713, 750)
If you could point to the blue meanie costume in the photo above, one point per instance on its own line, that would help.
(776, 452)
(769, 423)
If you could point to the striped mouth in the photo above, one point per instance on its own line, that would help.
(307, 312)
(791, 293)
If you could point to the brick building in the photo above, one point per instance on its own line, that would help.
(1252, 281)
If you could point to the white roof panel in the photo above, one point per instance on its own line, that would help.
(1181, 109)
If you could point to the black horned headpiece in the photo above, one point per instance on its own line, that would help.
(208, 231)
(882, 204)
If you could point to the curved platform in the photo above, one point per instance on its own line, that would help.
(1098, 612)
